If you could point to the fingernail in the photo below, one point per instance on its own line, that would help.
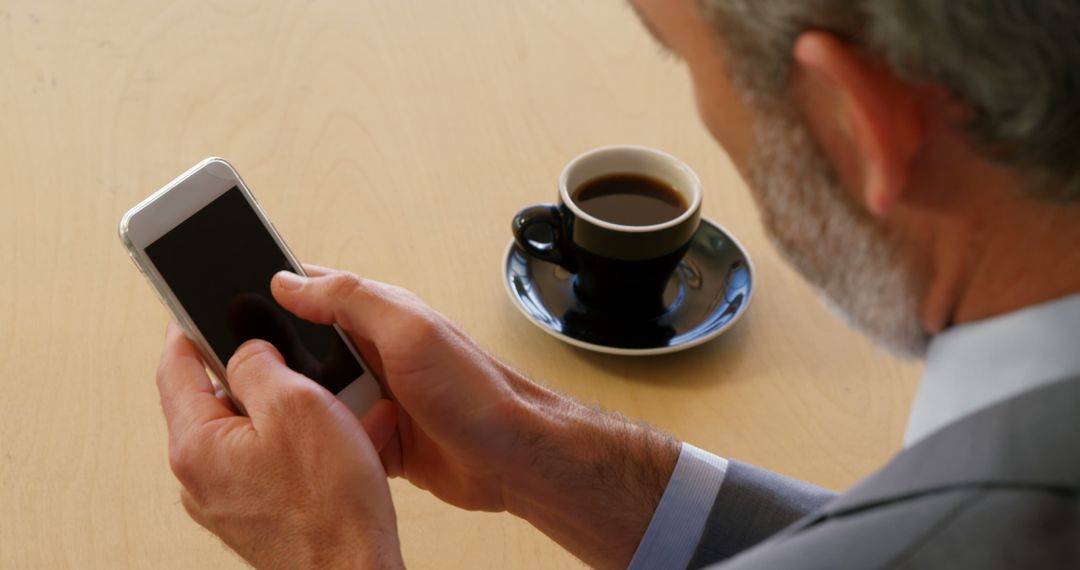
(290, 281)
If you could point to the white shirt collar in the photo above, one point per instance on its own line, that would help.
(979, 364)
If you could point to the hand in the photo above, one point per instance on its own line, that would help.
(478, 435)
(295, 484)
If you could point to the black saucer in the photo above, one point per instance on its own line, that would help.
(709, 292)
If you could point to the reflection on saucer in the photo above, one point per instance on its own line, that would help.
(709, 292)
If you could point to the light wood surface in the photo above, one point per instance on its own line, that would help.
(392, 138)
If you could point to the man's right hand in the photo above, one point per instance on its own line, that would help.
(480, 436)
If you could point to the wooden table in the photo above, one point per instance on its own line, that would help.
(393, 138)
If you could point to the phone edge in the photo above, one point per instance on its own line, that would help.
(357, 403)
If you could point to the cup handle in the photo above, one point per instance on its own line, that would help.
(553, 251)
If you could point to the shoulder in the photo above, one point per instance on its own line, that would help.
(1003, 527)
(970, 527)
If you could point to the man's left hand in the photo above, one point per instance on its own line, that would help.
(298, 482)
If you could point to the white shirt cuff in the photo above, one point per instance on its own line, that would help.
(679, 520)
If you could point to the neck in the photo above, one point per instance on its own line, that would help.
(1024, 252)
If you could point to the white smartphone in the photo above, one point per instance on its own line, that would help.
(209, 251)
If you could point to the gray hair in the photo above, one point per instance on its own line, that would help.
(1015, 63)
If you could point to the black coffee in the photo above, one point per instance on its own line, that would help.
(630, 200)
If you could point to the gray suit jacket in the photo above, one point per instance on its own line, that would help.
(997, 489)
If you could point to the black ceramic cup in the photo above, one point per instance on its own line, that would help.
(620, 270)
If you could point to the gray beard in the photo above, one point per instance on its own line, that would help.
(834, 244)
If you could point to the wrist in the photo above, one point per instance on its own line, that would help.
(589, 479)
(347, 547)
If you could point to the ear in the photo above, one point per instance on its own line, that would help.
(872, 120)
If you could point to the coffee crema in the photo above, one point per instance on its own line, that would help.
(630, 200)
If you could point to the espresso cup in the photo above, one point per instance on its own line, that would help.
(620, 270)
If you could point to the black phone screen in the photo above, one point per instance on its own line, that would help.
(219, 263)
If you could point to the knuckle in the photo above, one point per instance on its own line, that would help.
(423, 327)
(190, 505)
(162, 373)
(344, 285)
(405, 297)
(182, 463)
(423, 324)
(298, 401)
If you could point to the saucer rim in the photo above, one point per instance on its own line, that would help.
(604, 349)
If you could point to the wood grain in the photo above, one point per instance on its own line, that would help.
(395, 139)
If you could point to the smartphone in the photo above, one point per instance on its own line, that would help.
(209, 251)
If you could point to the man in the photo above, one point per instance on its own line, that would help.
(914, 160)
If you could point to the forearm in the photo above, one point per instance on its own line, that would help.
(591, 480)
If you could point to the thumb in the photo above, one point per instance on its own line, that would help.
(367, 309)
(257, 374)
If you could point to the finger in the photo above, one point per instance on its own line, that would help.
(390, 455)
(380, 423)
(254, 315)
(368, 309)
(367, 349)
(187, 395)
(258, 376)
(393, 452)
